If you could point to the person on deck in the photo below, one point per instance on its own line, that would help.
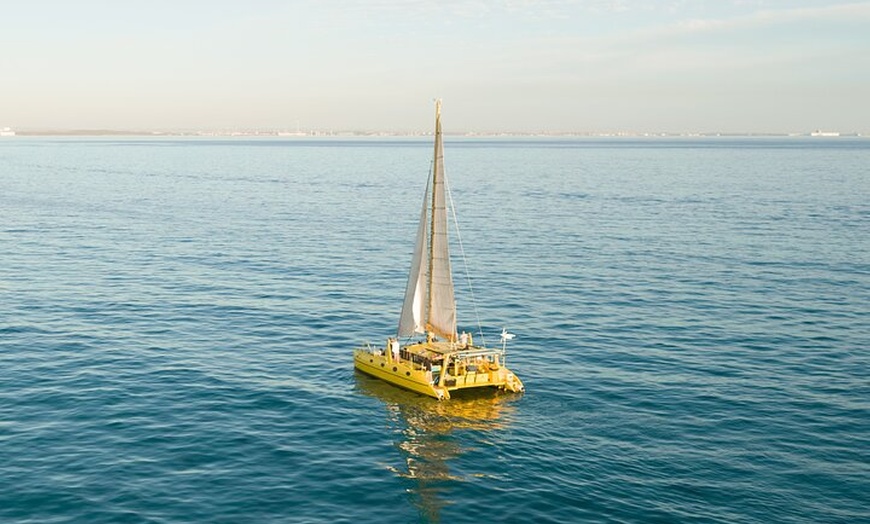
(394, 347)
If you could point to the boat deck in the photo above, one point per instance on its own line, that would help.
(432, 354)
(441, 348)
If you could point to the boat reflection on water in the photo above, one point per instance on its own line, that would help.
(428, 435)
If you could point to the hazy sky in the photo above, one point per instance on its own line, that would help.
(513, 65)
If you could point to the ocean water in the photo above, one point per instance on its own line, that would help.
(177, 318)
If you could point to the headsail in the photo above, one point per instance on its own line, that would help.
(429, 301)
(413, 319)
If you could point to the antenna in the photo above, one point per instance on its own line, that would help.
(505, 336)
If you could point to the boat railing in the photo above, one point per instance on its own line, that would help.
(466, 355)
(371, 348)
(418, 361)
(478, 352)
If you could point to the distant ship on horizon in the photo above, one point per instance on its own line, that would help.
(7, 131)
(819, 132)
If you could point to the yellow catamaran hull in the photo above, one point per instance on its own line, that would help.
(421, 368)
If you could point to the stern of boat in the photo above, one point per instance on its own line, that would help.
(512, 382)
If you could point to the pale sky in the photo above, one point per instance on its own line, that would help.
(511, 65)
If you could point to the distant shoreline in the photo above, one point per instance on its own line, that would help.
(378, 134)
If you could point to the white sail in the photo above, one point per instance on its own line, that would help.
(429, 301)
(413, 319)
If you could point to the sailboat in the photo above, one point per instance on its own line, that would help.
(428, 355)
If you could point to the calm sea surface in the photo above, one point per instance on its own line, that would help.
(177, 318)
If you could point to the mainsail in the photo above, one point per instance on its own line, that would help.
(429, 302)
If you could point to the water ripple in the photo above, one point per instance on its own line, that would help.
(177, 318)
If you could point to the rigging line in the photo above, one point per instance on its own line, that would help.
(464, 262)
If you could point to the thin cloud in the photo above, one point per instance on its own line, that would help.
(769, 17)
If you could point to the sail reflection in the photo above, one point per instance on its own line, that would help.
(426, 436)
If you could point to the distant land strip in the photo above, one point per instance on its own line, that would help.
(364, 133)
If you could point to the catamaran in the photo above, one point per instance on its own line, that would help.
(428, 355)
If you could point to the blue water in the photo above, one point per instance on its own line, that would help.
(177, 318)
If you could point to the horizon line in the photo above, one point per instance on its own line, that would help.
(324, 133)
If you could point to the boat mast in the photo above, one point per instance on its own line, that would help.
(435, 182)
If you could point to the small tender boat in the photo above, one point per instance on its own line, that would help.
(428, 355)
